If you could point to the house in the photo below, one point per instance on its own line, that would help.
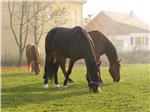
(10, 51)
(126, 31)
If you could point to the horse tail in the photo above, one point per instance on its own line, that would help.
(50, 59)
(49, 41)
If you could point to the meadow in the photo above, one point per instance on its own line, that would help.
(23, 92)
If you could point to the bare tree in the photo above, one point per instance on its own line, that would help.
(24, 14)
(22, 26)
(45, 18)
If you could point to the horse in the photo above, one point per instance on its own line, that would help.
(102, 45)
(32, 54)
(73, 43)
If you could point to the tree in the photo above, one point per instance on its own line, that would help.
(22, 26)
(22, 15)
(44, 18)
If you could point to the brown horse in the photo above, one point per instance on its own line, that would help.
(101, 46)
(73, 43)
(33, 53)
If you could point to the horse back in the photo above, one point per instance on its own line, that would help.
(69, 42)
(32, 52)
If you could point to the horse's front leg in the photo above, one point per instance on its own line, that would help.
(99, 68)
(29, 67)
(68, 72)
(32, 68)
(88, 80)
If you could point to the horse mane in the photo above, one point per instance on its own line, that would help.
(110, 49)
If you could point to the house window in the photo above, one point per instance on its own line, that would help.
(141, 41)
(131, 41)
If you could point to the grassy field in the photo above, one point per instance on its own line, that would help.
(22, 92)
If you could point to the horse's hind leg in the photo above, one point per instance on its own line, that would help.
(46, 70)
(45, 81)
(56, 65)
(68, 72)
(62, 62)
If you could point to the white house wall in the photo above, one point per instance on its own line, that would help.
(126, 42)
(137, 35)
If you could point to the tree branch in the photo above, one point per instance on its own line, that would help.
(11, 22)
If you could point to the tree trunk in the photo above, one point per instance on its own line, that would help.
(20, 57)
(35, 37)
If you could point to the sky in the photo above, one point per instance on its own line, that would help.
(140, 8)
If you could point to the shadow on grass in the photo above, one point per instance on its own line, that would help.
(34, 93)
(13, 75)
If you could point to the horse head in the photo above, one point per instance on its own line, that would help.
(114, 70)
(36, 68)
(94, 80)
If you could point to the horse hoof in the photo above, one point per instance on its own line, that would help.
(46, 87)
(98, 90)
(65, 87)
(57, 86)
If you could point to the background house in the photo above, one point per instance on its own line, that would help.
(72, 17)
(126, 31)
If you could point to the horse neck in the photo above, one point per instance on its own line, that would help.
(111, 53)
(90, 61)
(111, 59)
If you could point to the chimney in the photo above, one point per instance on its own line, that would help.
(131, 14)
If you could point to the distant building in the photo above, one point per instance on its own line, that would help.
(73, 16)
(126, 31)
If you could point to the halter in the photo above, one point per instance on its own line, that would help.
(92, 82)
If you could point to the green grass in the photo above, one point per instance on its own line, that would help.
(22, 92)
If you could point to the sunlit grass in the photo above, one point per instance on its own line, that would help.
(23, 92)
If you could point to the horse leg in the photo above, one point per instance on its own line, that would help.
(71, 63)
(88, 80)
(29, 67)
(32, 67)
(46, 70)
(56, 86)
(99, 63)
(63, 68)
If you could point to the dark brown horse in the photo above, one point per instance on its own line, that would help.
(101, 46)
(32, 53)
(74, 44)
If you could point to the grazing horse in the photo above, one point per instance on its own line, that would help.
(101, 46)
(73, 43)
(33, 53)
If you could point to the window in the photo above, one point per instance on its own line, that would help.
(141, 41)
(131, 41)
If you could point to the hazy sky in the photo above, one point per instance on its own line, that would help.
(140, 8)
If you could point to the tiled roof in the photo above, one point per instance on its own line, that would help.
(77, 1)
(129, 19)
(113, 23)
